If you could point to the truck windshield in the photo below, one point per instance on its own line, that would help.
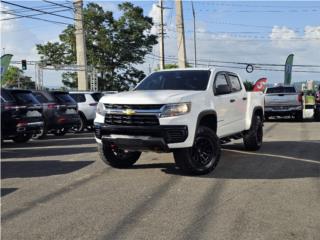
(281, 90)
(193, 80)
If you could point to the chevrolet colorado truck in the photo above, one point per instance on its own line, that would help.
(189, 112)
(283, 101)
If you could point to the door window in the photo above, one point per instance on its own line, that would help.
(235, 83)
(221, 80)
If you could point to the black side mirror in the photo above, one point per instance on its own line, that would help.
(223, 89)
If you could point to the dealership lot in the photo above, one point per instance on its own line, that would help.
(59, 189)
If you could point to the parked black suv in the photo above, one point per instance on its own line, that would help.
(20, 115)
(59, 112)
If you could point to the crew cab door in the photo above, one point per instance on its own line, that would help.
(238, 99)
(223, 105)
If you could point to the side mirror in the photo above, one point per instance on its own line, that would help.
(223, 89)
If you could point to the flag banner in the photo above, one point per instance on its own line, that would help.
(288, 70)
(260, 85)
(5, 61)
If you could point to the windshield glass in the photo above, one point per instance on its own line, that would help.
(96, 96)
(25, 98)
(281, 90)
(196, 80)
(64, 98)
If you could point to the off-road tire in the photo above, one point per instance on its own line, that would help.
(203, 156)
(22, 138)
(252, 139)
(117, 158)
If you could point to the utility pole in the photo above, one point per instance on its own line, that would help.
(194, 36)
(161, 43)
(80, 46)
(182, 62)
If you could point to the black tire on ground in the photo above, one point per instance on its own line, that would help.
(43, 132)
(203, 156)
(83, 123)
(298, 116)
(252, 139)
(117, 158)
(22, 138)
(60, 132)
(316, 115)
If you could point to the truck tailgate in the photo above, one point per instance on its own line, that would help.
(282, 99)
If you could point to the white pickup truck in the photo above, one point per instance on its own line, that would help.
(189, 112)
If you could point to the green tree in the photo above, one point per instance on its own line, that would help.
(248, 85)
(14, 77)
(114, 46)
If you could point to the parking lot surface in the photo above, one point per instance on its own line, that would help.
(58, 188)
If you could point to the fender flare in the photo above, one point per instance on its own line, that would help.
(206, 113)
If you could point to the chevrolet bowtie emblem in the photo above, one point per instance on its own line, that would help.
(129, 112)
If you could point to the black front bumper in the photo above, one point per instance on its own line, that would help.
(155, 138)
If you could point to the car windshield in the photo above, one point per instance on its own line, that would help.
(96, 96)
(64, 98)
(24, 97)
(281, 90)
(41, 98)
(196, 80)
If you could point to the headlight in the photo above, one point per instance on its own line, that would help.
(100, 108)
(175, 109)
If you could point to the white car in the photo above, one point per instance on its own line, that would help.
(185, 111)
(87, 105)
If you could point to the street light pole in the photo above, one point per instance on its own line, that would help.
(194, 35)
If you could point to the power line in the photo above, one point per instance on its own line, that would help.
(23, 16)
(37, 10)
(36, 18)
(58, 4)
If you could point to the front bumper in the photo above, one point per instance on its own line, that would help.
(153, 138)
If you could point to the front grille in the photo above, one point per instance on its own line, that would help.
(133, 120)
(133, 106)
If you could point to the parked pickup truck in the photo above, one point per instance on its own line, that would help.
(283, 101)
(189, 112)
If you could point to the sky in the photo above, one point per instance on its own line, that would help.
(232, 31)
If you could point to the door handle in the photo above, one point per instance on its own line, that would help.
(232, 100)
(244, 98)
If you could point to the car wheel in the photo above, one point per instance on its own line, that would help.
(43, 132)
(60, 132)
(203, 156)
(317, 115)
(82, 125)
(252, 139)
(22, 138)
(298, 116)
(116, 157)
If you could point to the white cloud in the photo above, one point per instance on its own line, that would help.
(311, 32)
(154, 13)
(279, 33)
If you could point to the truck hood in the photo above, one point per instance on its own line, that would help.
(150, 97)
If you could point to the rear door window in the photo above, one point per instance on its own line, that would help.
(79, 98)
(64, 98)
(281, 90)
(24, 97)
(40, 97)
(235, 83)
(96, 96)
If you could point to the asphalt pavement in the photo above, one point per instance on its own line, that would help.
(58, 188)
